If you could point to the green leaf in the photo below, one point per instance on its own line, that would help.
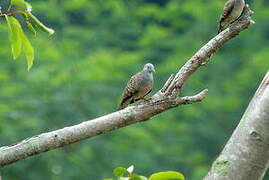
(28, 6)
(120, 171)
(14, 29)
(130, 169)
(143, 178)
(168, 175)
(19, 41)
(31, 28)
(29, 24)
(108, 179)
(123, 178)
(22, 3)
(137, 177)
(39, 24)
(28, 50)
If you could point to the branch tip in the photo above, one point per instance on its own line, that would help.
(252, 22)
(201, 95)
(192, 99)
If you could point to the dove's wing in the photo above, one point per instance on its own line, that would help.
(228, 8)
(129, 91)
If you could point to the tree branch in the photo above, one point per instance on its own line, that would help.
(163, 100)
(246, 155)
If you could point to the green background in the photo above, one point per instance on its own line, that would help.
(79, 74)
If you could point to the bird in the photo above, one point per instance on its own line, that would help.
(138, 86)
(232, 11)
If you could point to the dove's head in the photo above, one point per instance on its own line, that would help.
(149, 68)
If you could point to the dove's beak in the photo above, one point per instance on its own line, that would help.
(153, 69)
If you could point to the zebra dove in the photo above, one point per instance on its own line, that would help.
(138, 86)
(232, 11)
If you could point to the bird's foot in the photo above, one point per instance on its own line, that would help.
(147, 100)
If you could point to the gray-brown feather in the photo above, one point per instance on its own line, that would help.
(231, 12)
(137, 87)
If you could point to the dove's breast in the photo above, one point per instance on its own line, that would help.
(145, 84)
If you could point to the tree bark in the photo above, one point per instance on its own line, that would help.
(246, 155)
(163, 100)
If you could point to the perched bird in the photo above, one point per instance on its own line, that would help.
(138, 86)
(232, 11)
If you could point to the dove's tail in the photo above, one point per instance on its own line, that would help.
(125, 102)
(121, 107)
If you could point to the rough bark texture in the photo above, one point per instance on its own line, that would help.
(246, 155)
(165, 99)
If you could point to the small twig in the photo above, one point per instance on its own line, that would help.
(12, 13)
(168, 82)
(192, 99)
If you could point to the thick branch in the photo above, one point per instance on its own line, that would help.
(246, 154)
(68, 135)
(165, 99)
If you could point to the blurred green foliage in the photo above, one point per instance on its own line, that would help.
(122, 173)
(80, 72)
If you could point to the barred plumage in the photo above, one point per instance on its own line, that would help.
(138, 86)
